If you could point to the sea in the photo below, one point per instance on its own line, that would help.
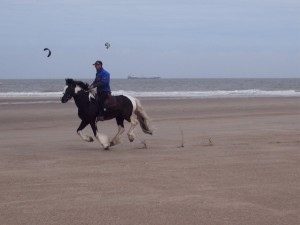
(161, 88)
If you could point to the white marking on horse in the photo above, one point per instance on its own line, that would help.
(85, 137)
(133, 102)
(134, 121)
(130, 133)
(91, 96)
(103, 139)
(77, 89)
(116, 139)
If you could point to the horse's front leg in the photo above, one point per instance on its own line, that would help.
(102, 138)
(84, 137)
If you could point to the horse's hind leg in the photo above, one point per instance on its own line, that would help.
(130, 133)
(116, 139)
(84, 137)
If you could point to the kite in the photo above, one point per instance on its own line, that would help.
(49, 53)
(107, 45)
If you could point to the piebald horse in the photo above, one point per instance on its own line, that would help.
(121, 107)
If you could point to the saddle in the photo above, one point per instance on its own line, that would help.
(110, 102)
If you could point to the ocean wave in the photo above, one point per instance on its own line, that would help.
(212, 94)
(169, 94)
(29, 94)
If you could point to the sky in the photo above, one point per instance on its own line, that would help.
(167, 38)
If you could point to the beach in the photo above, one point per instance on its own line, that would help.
(210, 161)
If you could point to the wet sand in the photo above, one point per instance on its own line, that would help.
(210, 161)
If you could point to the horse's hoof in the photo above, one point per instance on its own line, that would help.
(107, 148)
(91, 139)
(131, 138)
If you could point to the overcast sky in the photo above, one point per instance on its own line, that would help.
(167, 38)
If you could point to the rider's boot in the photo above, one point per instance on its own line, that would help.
(100, 116)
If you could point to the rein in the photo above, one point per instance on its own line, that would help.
(91, 95)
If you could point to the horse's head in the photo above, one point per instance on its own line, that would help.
(69, 90)
(72, 88)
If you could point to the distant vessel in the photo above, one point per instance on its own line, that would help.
(142, 77)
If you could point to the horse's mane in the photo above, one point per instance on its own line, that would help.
(84, 86)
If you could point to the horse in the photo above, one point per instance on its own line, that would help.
(121, 107)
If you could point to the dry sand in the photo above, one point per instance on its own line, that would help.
(210, 161)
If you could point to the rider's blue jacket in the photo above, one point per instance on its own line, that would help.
(102, 81)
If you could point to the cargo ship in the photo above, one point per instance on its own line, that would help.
(142, 77)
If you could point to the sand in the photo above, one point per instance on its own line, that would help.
(210, 161)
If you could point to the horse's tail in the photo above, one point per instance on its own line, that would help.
(142, 117)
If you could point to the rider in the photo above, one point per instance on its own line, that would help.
(101, 81)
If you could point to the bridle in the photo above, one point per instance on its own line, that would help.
(67, 96)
